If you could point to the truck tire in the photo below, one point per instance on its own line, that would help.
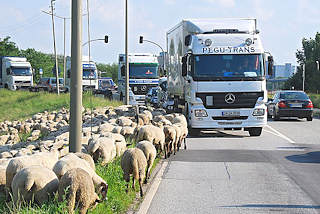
(255, 131)
(309, 118)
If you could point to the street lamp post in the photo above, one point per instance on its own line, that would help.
(303, 75)
(318, 66)
(126, 54)
(55, 49)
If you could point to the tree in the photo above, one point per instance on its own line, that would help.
(309, 54)
(8, 48)
(109, 70)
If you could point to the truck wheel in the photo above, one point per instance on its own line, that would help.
(309, 118)
(121, 97)
(275, 115)
(194, 132)
(255, 131)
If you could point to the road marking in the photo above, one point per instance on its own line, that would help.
(153, 189)
(281, 135)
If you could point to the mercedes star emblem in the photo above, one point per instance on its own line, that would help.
(230, 98)
(143, 88)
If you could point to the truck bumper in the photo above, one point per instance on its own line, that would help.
(216, 120)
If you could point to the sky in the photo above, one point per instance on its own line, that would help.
(282, 24)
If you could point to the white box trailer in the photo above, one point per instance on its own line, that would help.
(216, 74)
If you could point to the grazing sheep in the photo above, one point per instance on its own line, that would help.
(103, 148)
(106, 127)
(80, 190)
(117, 129)
(72, 161)
(150, 152)
(87, 158)
(178, 136)
(45, 159)
(3, 167)
(124, 121)
(154, 135)
(170, 139)
(143, 119)
(181, 121)
(34, 182)
(127, 131)
(120, 142)
(134, 162)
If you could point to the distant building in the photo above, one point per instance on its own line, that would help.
(283, 71)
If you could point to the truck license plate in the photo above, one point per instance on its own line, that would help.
(230, 113)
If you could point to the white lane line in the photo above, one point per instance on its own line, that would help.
(153, 189)
(281, 135)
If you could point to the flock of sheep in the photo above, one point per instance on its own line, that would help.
(38, 176)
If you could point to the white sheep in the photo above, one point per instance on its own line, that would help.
(87, 158)
(104, 148)
(79, 189)
(134, 162)
(120, 142)
(154, 135)
(72, 161)
(3, 168)
(170, 139)
(150, 152)
(34, 182)
(45, 159)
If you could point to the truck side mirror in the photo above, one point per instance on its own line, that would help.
(123, 73)
(184, 66)
(270, 65)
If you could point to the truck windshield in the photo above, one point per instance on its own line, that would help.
(21, 71)
(228, 67)
(143, 70)
(89, 74)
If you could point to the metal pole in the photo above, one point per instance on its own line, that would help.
(64, 51)
(76, 79)
(55, 50)
(126, 54)
(89, 47)
(303, 75)
(318, 66)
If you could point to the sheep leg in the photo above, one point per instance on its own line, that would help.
(140, 185)
(127, 185)
(71, 201)
(133, 182)
(185, 145)
(148, 173)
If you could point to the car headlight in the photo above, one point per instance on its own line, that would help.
(200, 113)
(258, 112)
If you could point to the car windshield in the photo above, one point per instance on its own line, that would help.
(53, 81)
(228, 67)
(106, 83)
(89, 74)
(295, 95)
(143, 70)
(21, 71)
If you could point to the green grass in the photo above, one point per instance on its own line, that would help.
(315, 98)
(18, 105)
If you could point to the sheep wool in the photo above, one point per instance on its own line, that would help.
(152, 134)
(150, 152)
(36, 182)
(103, 148)
(134, 162)
(79, 189)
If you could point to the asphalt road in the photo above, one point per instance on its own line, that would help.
(231, 172)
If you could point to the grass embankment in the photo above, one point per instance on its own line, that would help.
(19, 105)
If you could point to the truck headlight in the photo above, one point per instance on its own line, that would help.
(200, 113)
(258, 112)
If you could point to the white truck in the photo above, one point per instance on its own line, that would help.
(143, 75)
(89, 74)
(217, 74)
(15, 73)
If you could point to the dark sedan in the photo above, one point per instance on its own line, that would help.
(290, 104)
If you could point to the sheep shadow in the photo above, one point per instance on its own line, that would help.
(310, 157)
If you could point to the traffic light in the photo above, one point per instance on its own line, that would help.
(141, 40)
(106, 39)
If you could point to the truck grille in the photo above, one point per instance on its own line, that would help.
(220, 100)
(141, 89)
